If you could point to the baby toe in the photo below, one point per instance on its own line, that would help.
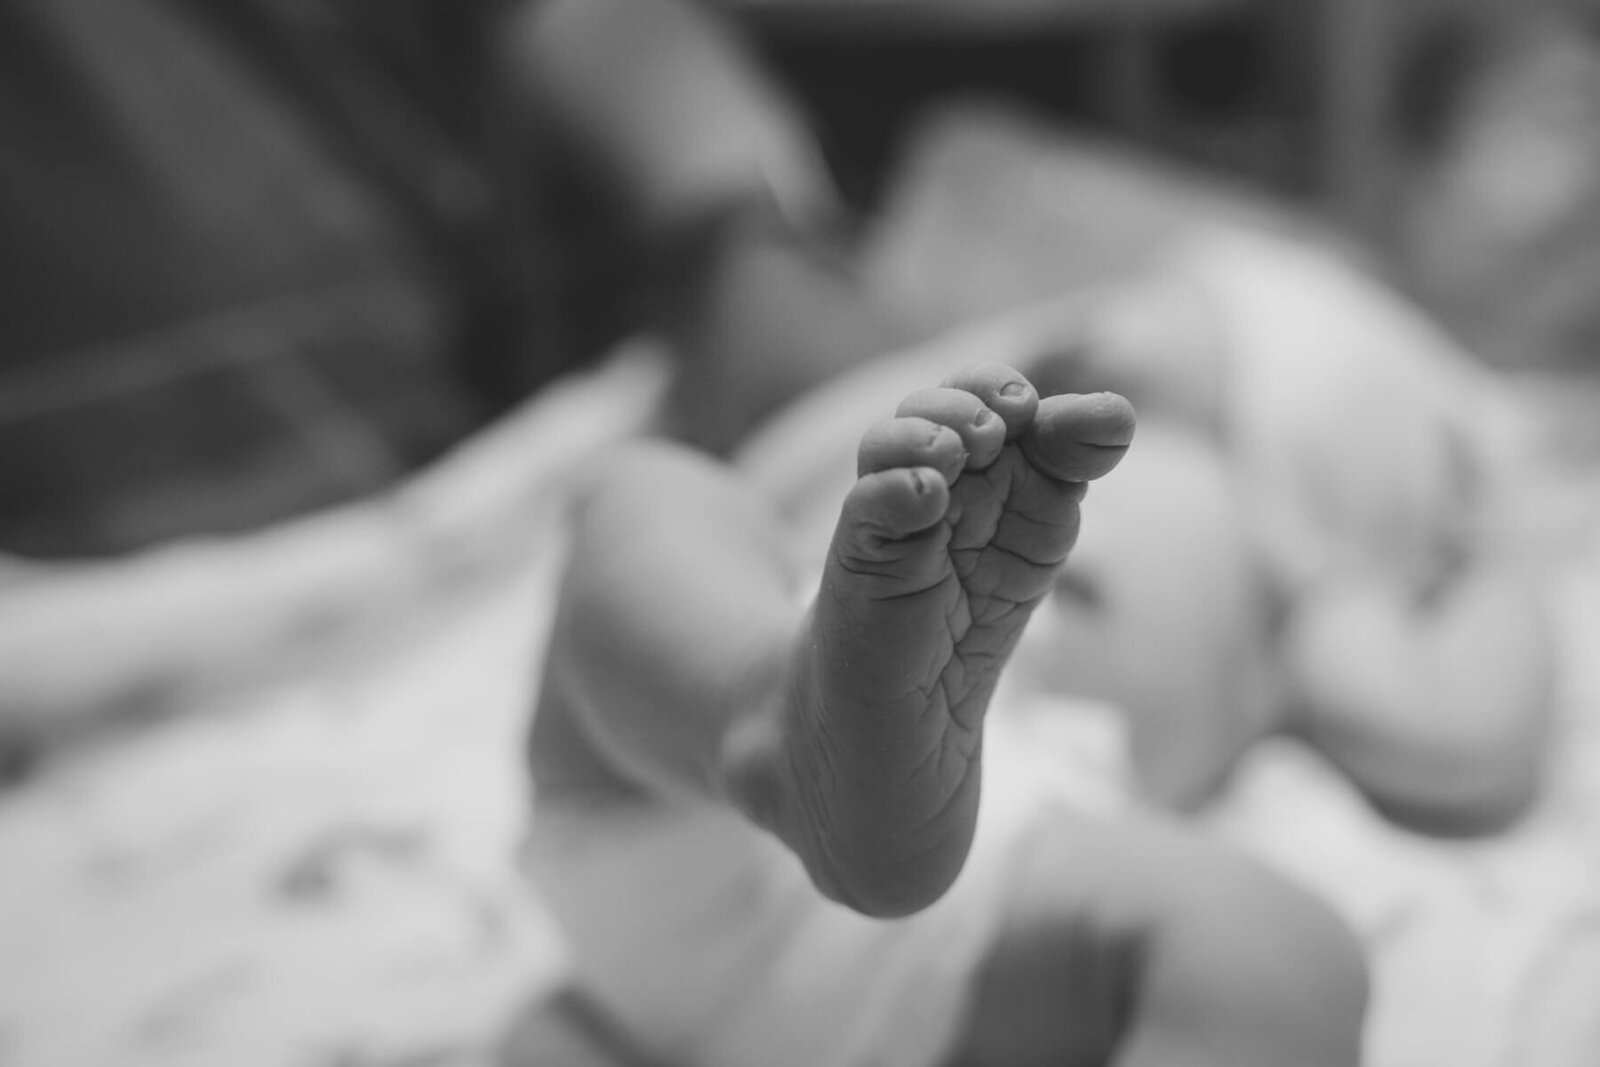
(889, 505)
(912, 442)
(1079, 437)
(1003, 390)
(983, 433)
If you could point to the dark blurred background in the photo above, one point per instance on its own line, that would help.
(277, 255)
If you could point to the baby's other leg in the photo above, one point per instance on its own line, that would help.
(676, 619)
(1438, 708)
(1136, 944)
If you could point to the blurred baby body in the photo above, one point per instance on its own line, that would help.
(1297, 542)
(1371, 458)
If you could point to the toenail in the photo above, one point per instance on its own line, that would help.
(1013, 389)
(919, 484)
(982, 417)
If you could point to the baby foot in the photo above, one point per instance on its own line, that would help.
(966, 504)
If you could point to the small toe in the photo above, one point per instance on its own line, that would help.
(891, 504)
(1003, 390)
(983, 433)
(911, 442)
(1079, 437)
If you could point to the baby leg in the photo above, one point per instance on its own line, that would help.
(1438, 709)
(1136, 944)
(852, 731)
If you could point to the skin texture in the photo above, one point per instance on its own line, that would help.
(947, 542)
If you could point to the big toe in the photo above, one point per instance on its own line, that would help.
(1078, 437)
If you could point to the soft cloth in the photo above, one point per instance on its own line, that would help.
(1484, 953)
(706, 941)
(311, 859)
